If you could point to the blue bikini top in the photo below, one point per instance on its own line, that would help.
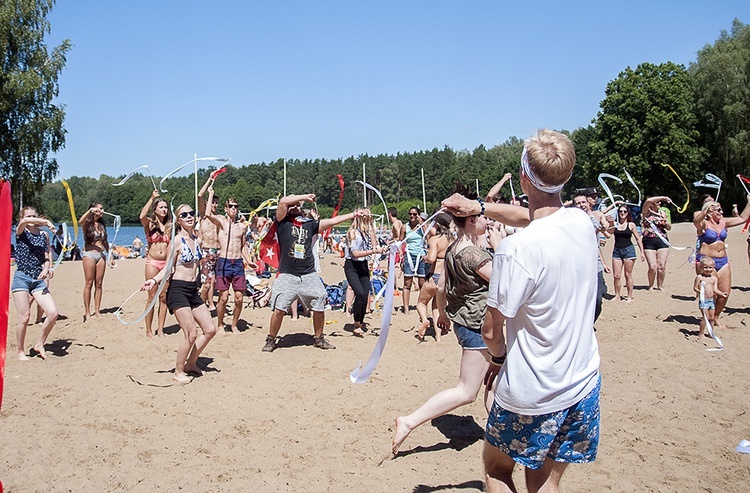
(710, 236)
(188, 256)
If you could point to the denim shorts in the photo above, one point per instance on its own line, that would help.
(570, 435)
(468, 338)
(420, 268)
(24, 282)
(627, 253)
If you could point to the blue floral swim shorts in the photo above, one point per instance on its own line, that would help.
(570, 435)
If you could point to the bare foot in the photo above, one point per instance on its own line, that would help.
(193, 370)
(39, 350)
(22, 357)
(628, 300)
(618, 298)
(159, 333)
(98, 315)
(235, 329)
(402, 431)
(182, 378)
(86, 316)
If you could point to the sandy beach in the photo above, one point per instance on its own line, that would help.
(103, 414)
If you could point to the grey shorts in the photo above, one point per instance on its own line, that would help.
(308, 288)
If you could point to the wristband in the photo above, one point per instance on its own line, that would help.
(498, 360)
(481, 203)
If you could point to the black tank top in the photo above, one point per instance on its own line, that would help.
(622, 237)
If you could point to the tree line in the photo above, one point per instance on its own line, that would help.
(695, 119)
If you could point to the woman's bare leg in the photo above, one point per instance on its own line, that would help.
(629, 263)
(202, 316)
(44, 300)
(101, 267)
(617, 276)
(23, 307)
(89, 274)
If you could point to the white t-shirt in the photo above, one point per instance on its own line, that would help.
(544, 282)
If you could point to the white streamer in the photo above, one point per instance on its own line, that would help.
(632, 182)
(218, 159)
(145, 166)
(116, 225)
(380, 196)
(64, 245)
(708, 322)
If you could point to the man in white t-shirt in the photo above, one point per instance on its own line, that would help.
(543, 285)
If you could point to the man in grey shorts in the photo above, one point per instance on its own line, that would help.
(297, 275)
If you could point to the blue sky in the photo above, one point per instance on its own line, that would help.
(155, 82)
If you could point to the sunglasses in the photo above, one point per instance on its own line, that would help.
(232, 206)
(622, 211)
(185, 214)
(413, 213)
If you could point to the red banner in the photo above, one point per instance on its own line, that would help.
(6, 223)
(269, 248)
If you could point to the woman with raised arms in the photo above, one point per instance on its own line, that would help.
(33, 267)
(157, 224)
(183, 296)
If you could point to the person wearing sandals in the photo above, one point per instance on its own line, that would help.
(183, 297)
(438, 244)
(361, 243)
(157, 225)
(462, 299)
(33, 267)
(94, 257)
(297, 275)
(623, 253)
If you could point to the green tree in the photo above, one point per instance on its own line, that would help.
(31, 125)
(647, 119)
(721, 83)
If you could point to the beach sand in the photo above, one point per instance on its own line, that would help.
(102, 413)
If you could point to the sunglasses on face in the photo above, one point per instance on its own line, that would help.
(185, 214)
(413, 213)
(232, 206)
(623, 212)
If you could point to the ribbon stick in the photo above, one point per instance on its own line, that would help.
(718, 181)
(687, 190)
(632, 182)
(512, 192)
(708, 322)
(168, 267)
(215, 174)
(177, 170)
(72, 211)
(380, 196)
(145, 166)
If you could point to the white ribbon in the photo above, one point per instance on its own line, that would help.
(116, 225)
(604, 185)
(218, 159)
(708, 322)
(362, 374)
(168, 267)
(145, 166)
(64, 245)
(380, 196)
(632, 182)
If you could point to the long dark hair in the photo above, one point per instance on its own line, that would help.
(89, 227)
(461, 189)
(156, 223)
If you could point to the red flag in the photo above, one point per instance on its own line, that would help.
(6, 222)
(269, 247)
(327, 232)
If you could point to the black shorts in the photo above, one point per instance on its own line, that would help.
(182, 294)
(653, 243)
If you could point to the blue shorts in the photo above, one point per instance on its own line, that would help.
(230, 272)
(408, 271)
(570, 435)
(627, 253)
(468, 338)
(707, 304)
(24, 282)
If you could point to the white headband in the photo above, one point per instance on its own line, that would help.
(538, 184)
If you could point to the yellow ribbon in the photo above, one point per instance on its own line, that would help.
(263, 205)
(72, 211)
(687, 191)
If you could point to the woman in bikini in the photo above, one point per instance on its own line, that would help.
(94, 255)
(157, 225)
(711, 228)
(183, 296)
(623, 253)
(33, 268)
(655, 224)
(462, 299)
(438, 243)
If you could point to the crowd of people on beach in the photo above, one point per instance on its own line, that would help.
(495, 271)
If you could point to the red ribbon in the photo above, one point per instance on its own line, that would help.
(217, 172)
(327, 232)
(6, 222)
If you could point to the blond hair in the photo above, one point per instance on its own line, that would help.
(551, 157)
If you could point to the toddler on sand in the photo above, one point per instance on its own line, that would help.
(707, 279)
